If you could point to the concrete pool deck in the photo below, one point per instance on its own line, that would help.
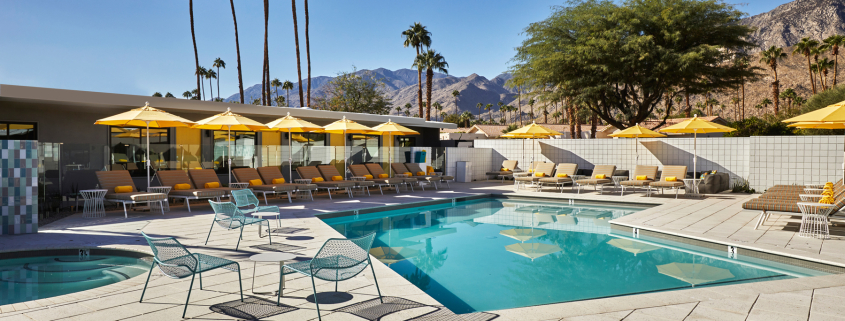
(717, 218)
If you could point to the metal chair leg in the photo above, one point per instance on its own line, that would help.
(145, 283)
(374, 280)
(240, 237)
(240, 283)
(289, 199)
(315, 299)
(209, 233)
(188, 299)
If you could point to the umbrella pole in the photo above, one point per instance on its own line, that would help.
(637, 141)
(229, 152)
(695, 152)
(290, 156)
(344, 153)
(148, 156)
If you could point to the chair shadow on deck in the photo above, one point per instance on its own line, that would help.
(252, 308)
(374, 310)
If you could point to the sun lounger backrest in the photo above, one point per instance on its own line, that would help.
(244, 175)
(545, 168)
(566, 168)
(308, 172)
(534, 165)
(509, 164)
(173, 177)
(607, 170)
(359, 170)
(202, 176)
(399, 168)
(649, 171)
(680, 172)
(269, 173)
(111, 179)
(375, 169)
(329, 171)
(414, 168)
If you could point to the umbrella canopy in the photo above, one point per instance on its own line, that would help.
(533, 250)
(694, 274)
(389, 255)
(291, 125)
(817, 125)
(229, 121)
(832, 113)
(391, 129)
(696, 125)
(531, 131)
(346, 126)
(631, 246)
(636, 132)
(522, 234)
(145, 117)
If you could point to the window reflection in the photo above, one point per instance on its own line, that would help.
(241, 146)
(365, 148)
(128, 149)
(17, 131)
(302, 146)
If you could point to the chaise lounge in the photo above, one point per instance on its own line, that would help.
(505, 171)
(250, 175)
(672, 178)
(312, 173)
(182, 187)
(121, 189)
(361, 171)
(563, 175)
(601, 176)
(643, 176)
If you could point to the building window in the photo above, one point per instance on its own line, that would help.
(129, 149)
(364, 148)
(302, 147)
(18, 131)
(242, 150)
(407, 142)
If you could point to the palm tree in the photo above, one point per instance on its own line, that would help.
(531, 105)
(442, 115)
(834, 42)
(195, 94)
(735, 101)
(218, 63)
(431, 61)
(466, 117)
(408, 109)
(287, 86)
(545, 114)
(770, 57)
(805, 47)
(169, 95)
(557, 115)
(276, 83)
(194, 38)
(201, 72)
(488, 108)
(187, 94)
(824, 66)
(455, 95)
(238, 51)
(816, 52)
(417, 36)
(438, 107)
(765, 102)
(211, 74)
(788, 95)
(298, 64)
(157, 94)
(480, 108)
(399, 110)
(307, 55)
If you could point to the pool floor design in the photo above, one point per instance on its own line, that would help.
(496, 254)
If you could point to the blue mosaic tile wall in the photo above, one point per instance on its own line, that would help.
(18, 187)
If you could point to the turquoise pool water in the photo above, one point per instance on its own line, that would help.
(34, 278)
(495, 254)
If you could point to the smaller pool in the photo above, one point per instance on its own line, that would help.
(33, 278)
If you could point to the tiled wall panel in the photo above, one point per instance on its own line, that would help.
(482, 160)
(18, 187)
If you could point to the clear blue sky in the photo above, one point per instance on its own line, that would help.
(139, 47)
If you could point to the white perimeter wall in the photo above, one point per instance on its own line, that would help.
(762, 160)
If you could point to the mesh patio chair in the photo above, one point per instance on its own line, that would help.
(247, 203)
(176, 262)
(338, 260)
(228, 216)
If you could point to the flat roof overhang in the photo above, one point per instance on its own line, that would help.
(120, 102)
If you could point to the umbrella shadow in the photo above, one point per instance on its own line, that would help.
(559, 155)
(667, 154)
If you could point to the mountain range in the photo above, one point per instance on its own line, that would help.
(783, 27)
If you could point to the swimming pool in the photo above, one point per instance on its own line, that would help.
(492, 254)
(33, 278)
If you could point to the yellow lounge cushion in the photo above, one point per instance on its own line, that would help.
(337, 178)
(827, 200)
(420, 173)
(408, 173)
(601, 176)
(383, 176)
(429, 169)
(505, 169)
(530, 170)
(671, 179)
(181, 186)
(255, 182)
(368, 176)
(539, 174)
(642, 177)
(562, 175)
(317, 179)
(212, 185)
(278, 180)
(123, 189)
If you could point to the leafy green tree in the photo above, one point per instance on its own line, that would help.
(417, 36)
(355, 92)
(834, 42)
(769, 125)
(157, 94)
(453, 118)
(770, 57)
(280, 101)
(430, 60)
(805, 47)
(621, 58)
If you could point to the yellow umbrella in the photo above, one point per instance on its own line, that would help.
(389, 129)
(346, 126)
(694, 274)
(696, 125)
(389, 255)
(631, 246)
(229, 121)
(817, 125)
(533, 250)
(149, 117)
(522, 234)
(531, 131)
(292, 125)
(830, 117)
(636, 132)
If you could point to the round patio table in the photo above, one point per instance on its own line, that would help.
(271, 257)
(269, 214)
(93, 206)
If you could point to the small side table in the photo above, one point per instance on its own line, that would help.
(239, 185)
(269, 214)
(300, 194)
(360, 188)
(691, 186)
(271, 257)
(93, 202)
(160, 189)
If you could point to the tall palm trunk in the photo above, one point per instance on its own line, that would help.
(211, 88)
(194, 39)
(835, 53)
(238, 50)
(298, 64)
(218, 81)
(265, 81)
(429, 77)
(776, 90)
(810, 71)
(743, 98)
(419, 84)
(307, 54)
